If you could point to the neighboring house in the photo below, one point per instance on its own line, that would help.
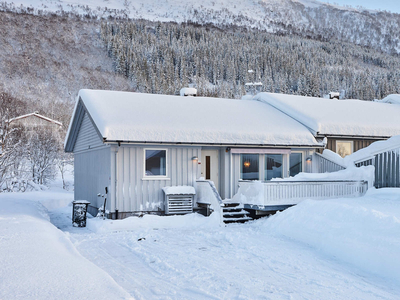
(348, 125)
(136, 144)
(34, 121)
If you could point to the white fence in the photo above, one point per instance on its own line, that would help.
(292, 192)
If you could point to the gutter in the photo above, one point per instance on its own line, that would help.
(365, 137)
(120, 142)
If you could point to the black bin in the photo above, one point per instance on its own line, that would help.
(79, 209)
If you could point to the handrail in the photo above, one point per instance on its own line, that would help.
(324, 164)
(213, 188)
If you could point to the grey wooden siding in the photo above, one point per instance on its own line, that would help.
(92, 175)
(88, 138)
(134, 193)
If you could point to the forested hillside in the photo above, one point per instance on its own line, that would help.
(307, 18)
(163, 57)
(45, 60)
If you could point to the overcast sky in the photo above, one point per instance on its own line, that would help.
(390, 5)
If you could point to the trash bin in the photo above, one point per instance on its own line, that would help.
(79, 209)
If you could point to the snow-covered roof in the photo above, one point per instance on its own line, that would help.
(338, 117)
(37, 115)
(136, 117)
(392, 99)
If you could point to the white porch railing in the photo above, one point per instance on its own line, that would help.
(292, 192)
(322, 164)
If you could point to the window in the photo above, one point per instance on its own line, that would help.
(155, 163)
(273, 166)
(344, 148)
(249, 167)
(296, 164)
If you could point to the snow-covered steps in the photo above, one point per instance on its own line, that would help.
(234, 213)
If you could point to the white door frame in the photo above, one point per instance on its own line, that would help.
(210, 161)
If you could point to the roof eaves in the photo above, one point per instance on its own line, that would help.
(119, 142)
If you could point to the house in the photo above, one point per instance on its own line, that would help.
(190, 91)
(35, 120)
(348, 125)
(137, 144)
(334, 95)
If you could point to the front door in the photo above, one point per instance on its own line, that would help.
(209, 166)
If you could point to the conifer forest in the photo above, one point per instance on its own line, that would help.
(163, 57)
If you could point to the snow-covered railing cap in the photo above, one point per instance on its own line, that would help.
(81, 202)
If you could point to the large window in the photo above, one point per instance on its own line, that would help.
(344, 148)
(249, 167)
(273, 166)
(155, 162)
(296, 163)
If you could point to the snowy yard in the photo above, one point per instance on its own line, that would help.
(331, 249)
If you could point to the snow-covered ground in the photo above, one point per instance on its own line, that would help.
(38, 261)
(331, 249)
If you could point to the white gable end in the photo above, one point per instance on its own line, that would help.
(87, 138)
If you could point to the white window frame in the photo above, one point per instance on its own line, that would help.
(283, 164)
(345, 141)
(240, 165)
(155, 177)
(261, 161)
(303, 160)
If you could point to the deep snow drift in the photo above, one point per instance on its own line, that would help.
(38, 261)
(328, 249)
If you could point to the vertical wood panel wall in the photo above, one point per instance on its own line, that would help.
(135, 193)
(92, 174)
(87, 138)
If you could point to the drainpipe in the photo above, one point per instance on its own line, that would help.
(230, 176)
(114, 179)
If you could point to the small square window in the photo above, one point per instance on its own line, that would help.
(155, 162)
(344, 148)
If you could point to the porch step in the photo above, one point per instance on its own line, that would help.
(234, 213)
(231, 204)
(237, 220)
